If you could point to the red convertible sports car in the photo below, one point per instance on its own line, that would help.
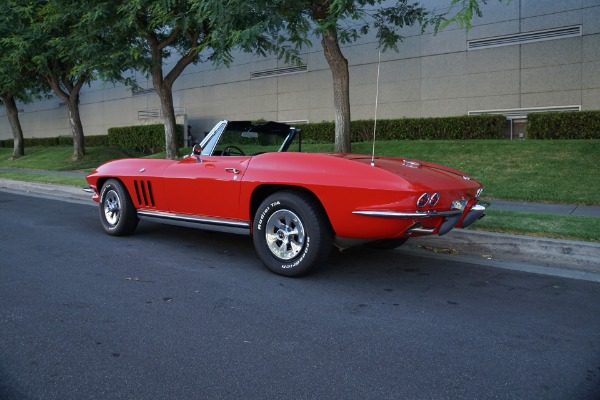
(255, 180)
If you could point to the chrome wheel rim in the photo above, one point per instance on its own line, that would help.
(284, 234)
(112, 207)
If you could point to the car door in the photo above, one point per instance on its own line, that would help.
(207, 186)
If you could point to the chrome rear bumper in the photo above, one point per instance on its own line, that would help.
(408, 215)
(476, 212)
(451, 218)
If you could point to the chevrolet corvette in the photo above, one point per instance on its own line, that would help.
(254, 179)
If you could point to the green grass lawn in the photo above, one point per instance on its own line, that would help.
(545, 225)
(560, 171)
(44, 178)
(555, 171)
(58, 158)
(563, 171)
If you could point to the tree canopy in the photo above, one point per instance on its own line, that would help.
(178, 31)
(182, 32)
(339, 22)
(18, 81)
(68, 43)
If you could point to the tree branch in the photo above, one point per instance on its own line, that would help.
(52, 80)
(170, 39)
(184, 61)
(80, 82)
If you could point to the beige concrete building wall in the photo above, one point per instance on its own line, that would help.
(431, 75)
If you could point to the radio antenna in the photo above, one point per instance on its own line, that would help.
(375, 121)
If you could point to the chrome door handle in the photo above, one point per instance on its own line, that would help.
(232, 170)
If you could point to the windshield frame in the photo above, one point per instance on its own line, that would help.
(212, 139)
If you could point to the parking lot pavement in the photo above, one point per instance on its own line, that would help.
(566, 258)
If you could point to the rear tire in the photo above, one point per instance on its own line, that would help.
(117, 213)
(291, 233)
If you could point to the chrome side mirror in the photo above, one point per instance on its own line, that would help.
(197, 152)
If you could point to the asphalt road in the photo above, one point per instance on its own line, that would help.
(174, 313)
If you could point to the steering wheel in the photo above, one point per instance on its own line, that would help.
(227, 151)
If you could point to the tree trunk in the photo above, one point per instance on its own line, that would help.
(341, 89)
(76, 127)
(164, 89)
(70, 95)
(165, 93)
(171, 138)
(15, 125)
(164, 85)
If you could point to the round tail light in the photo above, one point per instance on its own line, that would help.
(434, 199)
(423, 200)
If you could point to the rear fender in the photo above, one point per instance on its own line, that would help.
(263, 191)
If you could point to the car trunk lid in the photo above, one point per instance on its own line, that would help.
(425, 174)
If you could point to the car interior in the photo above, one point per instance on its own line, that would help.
(244, 139)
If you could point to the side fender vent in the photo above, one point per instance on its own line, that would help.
(143, 193)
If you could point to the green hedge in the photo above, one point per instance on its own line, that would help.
(95, 141)
(31, 142)
(464, 127)
(145, 138)
(91, 141)
(564, 125)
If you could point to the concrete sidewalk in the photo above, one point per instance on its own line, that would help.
(564, 258)
(46, 189)
(546, 208)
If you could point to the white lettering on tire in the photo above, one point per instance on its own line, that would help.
(262, 217)
(264, 213)
(298, 261)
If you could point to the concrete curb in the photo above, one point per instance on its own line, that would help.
(542, 252)
(45, 189)
(566, 258)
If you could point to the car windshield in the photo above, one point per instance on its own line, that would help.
(244, 138)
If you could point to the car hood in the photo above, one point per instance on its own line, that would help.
(417, 172)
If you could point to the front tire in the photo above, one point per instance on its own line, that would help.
(291, 233)
(117, 213)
